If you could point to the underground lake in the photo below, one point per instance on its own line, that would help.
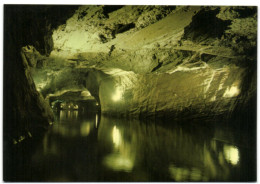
(129, 93)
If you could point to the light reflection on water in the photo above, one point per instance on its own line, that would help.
(122, 156)
(68, 115)
(87, 147)
(231, 154)
(116, 137)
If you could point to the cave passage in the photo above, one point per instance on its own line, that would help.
(130, 93)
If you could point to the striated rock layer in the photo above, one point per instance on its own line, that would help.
(138, 61)
(163, 61)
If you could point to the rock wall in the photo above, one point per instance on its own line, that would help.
(175, 62)
(185, 93)
(158, 61)
(24, 26)
(26, 114)
(191, 62)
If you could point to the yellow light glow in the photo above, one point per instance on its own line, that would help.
(69, 115)
(213, 99)
(96, 120)
(231, 154)
(178, 173)
(85, 129)
(231, 92)
(14, 141)
(75, 114)
(181, 174)
(116, 136)
(85, 93)
(119, 162)
(196, 174)
(62, 115)
(117, 95)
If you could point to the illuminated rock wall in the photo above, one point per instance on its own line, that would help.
(184, 94)
(188, 62)
(140, 60)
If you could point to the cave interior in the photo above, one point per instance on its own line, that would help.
(129, 93)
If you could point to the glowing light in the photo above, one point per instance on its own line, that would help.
(231, 154)
(21, 138)
(69, 115)
(117, 95)
(195, 174)
(213, 99)
(14, 141)
(122, 159)
(96, 120)
(85, 129)
(231, 92)
(178, 173)
(85, 93)
(116, 136)
(119, 162)
(62, 115)
(185, 174)
(75, 114)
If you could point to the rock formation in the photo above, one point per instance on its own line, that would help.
(137, 61)
(162, 61)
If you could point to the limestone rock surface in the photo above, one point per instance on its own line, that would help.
(163, 60)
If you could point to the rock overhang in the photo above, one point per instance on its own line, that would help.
(161, 44)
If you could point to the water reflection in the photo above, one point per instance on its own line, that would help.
(122, 157)
(68, 115)
(96, 124)
(87, 147)
(85, 128)
(231, 154)
(116, 137)
(186, 174)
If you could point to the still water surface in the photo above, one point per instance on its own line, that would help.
(87, 147)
